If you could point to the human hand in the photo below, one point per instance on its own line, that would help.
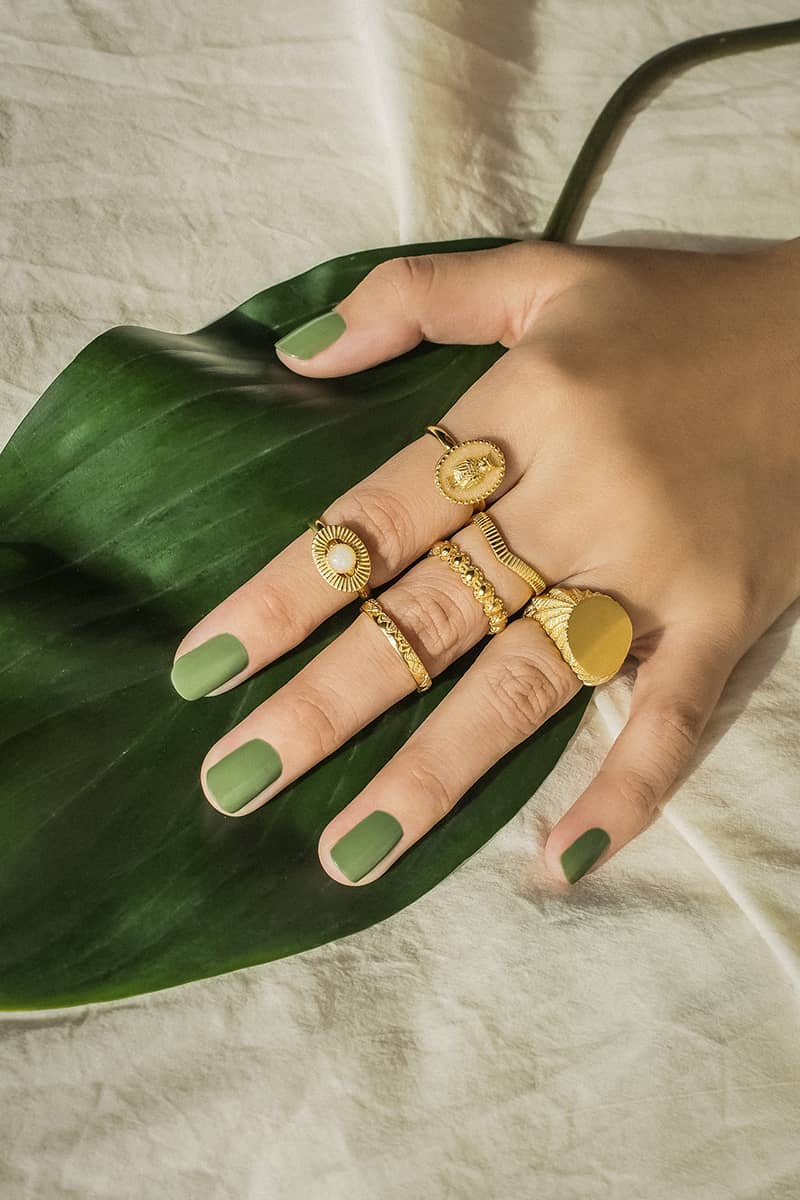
(648, 414)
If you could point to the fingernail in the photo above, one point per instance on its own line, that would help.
(366, 844)
(315, 335)
(584, 853)
(208, 666)
(243, 773)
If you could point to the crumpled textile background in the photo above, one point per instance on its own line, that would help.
(634, 1037)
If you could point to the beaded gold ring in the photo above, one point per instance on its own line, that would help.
(474, 578)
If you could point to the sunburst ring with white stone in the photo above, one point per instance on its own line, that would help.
(468, 472)
(341, 558)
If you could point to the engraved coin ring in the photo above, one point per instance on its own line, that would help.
(468, 472)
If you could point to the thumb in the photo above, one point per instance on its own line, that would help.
(475, 297)
(675, 692)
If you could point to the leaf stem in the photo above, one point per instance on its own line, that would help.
(607, 129)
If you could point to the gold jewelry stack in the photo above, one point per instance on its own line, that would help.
(592, 631)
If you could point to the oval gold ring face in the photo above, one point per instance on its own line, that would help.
(470, 471)
(600, 635)
(341, 558)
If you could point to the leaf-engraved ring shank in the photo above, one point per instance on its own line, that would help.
(400, 643)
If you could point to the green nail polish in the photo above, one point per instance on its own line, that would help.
(208, 666)
(584, 853)
(366, 844)
(315, 335)
(243, 773)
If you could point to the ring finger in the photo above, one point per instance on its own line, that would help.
(515, 685)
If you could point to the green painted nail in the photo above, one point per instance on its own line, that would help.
(366, 844)
(243, 773)
(208, 666)
(584, 853)
(315, 335)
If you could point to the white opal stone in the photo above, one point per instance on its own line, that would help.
(341, 558)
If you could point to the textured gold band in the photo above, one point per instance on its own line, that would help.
(472, 575)
(591, 630)
(399, 642)
(507, 557)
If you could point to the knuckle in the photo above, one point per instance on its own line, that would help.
(280, 610)
(427, 780)
(383, 521)
(681, 726)
(522, 695)
(435, 620)
(409, 276)
(639, 794)
(322, 718)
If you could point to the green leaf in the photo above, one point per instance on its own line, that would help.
(156, 474)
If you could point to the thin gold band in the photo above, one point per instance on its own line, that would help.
(399, 642)
(507, 557)
(472, 575)
(442, 436)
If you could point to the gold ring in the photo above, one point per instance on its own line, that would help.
(502, 553)
(468, 471)
(472, 575)
(399, 642)
(341, 558)
(592, 631)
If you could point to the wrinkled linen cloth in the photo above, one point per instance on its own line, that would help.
(634, 1037)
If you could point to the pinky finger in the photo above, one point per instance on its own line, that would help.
(674, 695)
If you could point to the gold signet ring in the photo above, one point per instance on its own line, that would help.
(341, 558)
(469, 471)
(500, 550)
(591, 630)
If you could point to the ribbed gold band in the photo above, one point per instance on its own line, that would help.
(399, 642)
(507, 557)
(472, 575)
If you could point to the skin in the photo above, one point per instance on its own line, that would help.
(648, 410)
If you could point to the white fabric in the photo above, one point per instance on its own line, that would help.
(634, 1037)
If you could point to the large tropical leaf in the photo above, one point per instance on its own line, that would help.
(156, 474)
